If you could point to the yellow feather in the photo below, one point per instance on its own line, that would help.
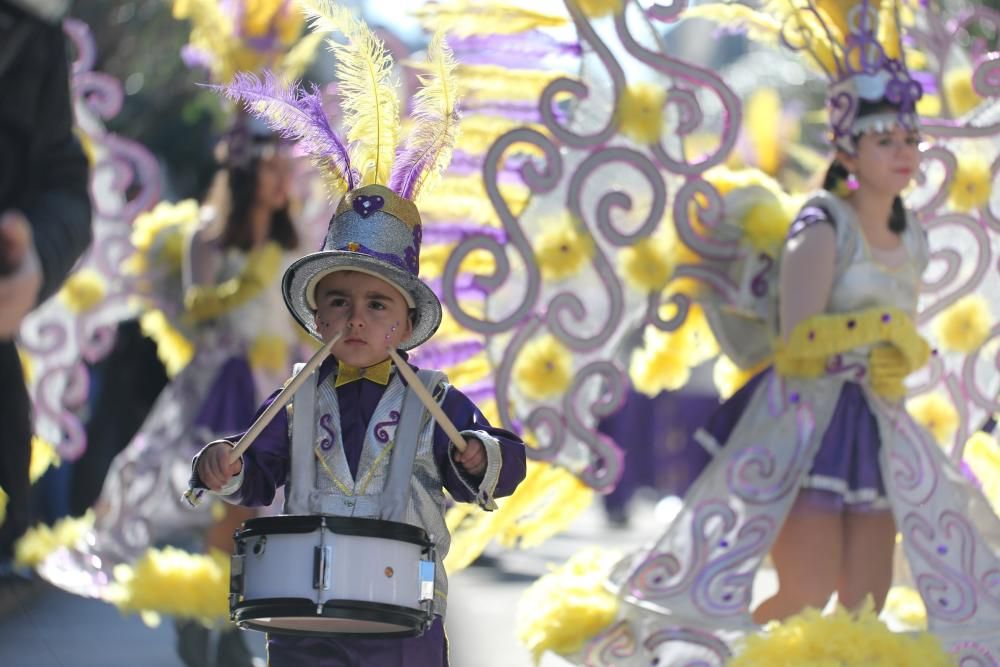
(464, 18)
(435, 108)
(370, 105)
(487, 83)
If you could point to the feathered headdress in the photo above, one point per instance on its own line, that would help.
(229, 36)
(376, 227)
(856, 44)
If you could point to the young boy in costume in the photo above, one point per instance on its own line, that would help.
(363, 285)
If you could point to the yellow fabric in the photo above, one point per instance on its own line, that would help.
(887, 369)
(814, 340)
(207, 302)
(379, 373)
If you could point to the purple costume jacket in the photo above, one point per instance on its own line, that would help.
(266, 466)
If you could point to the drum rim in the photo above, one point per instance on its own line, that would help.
(340, 525)
(418, 620)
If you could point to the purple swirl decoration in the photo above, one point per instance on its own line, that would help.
(380, 433)
(691, 639)
(949, 592)
(326, 423)
(723, 587)
(662, 574)
(607, 459)
(753, 475)
(911, 467)
(562, 87)
(689, 108)
(515, 238)
(611, 647)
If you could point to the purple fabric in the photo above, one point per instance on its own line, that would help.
(849, 450)
(229, 406)
(266, 464)
(357, 402)
(808, 217)
(654, 434)
(428, 650)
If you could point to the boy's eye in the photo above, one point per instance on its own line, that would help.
(338, 302)
(376, 305)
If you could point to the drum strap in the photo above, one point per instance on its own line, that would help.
(396, 493)
(302, 476)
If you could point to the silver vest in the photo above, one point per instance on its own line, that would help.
(397, 478)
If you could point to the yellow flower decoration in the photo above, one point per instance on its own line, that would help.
(936, 414)
(843, 639)
(661, 364)
(543, 369)
(173, 582)
(965, 325)
(595, 9)
(906, 607)
(566, 607)
(648, 264)
(82, 290)
(173, 349)
(764, 129)
(269, 353)
(640, 112)
(158, 236)
(43, 457)
(982, 455)
(41, 540)
(929, 105)
(766, 224)
(563, 248)
(730, 378)
(959, 91)
(971, 187)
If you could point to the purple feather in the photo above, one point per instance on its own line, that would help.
(521, 51)
(413, 161)
(456, 230)
(294, 114)
(442, 355)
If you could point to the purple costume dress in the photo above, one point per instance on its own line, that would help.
(840, 445)
(268, 465)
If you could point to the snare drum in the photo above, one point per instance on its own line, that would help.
(331, 575)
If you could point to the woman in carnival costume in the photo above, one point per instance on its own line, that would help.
(816, 460)
(370, 449)
(233, 249)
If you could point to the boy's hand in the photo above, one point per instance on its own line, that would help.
(473, 459)
(214, 468)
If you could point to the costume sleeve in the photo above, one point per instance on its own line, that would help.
(505, 467)
(265, 463)
(807, 269)
(53, 193)
(207, 302)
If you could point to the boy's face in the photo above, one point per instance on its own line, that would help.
(372, 314)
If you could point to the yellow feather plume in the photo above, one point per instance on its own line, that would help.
(435, 110)
(545, 503)
(370, 105)
(465, 17)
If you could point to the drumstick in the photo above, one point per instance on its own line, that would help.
(283, 398)
(191, 496)
(421, 391)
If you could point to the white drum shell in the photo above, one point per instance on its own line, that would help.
(366, 569)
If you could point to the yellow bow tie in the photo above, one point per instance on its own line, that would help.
(378, 373)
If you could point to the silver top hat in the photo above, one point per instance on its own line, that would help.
(374, 231)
